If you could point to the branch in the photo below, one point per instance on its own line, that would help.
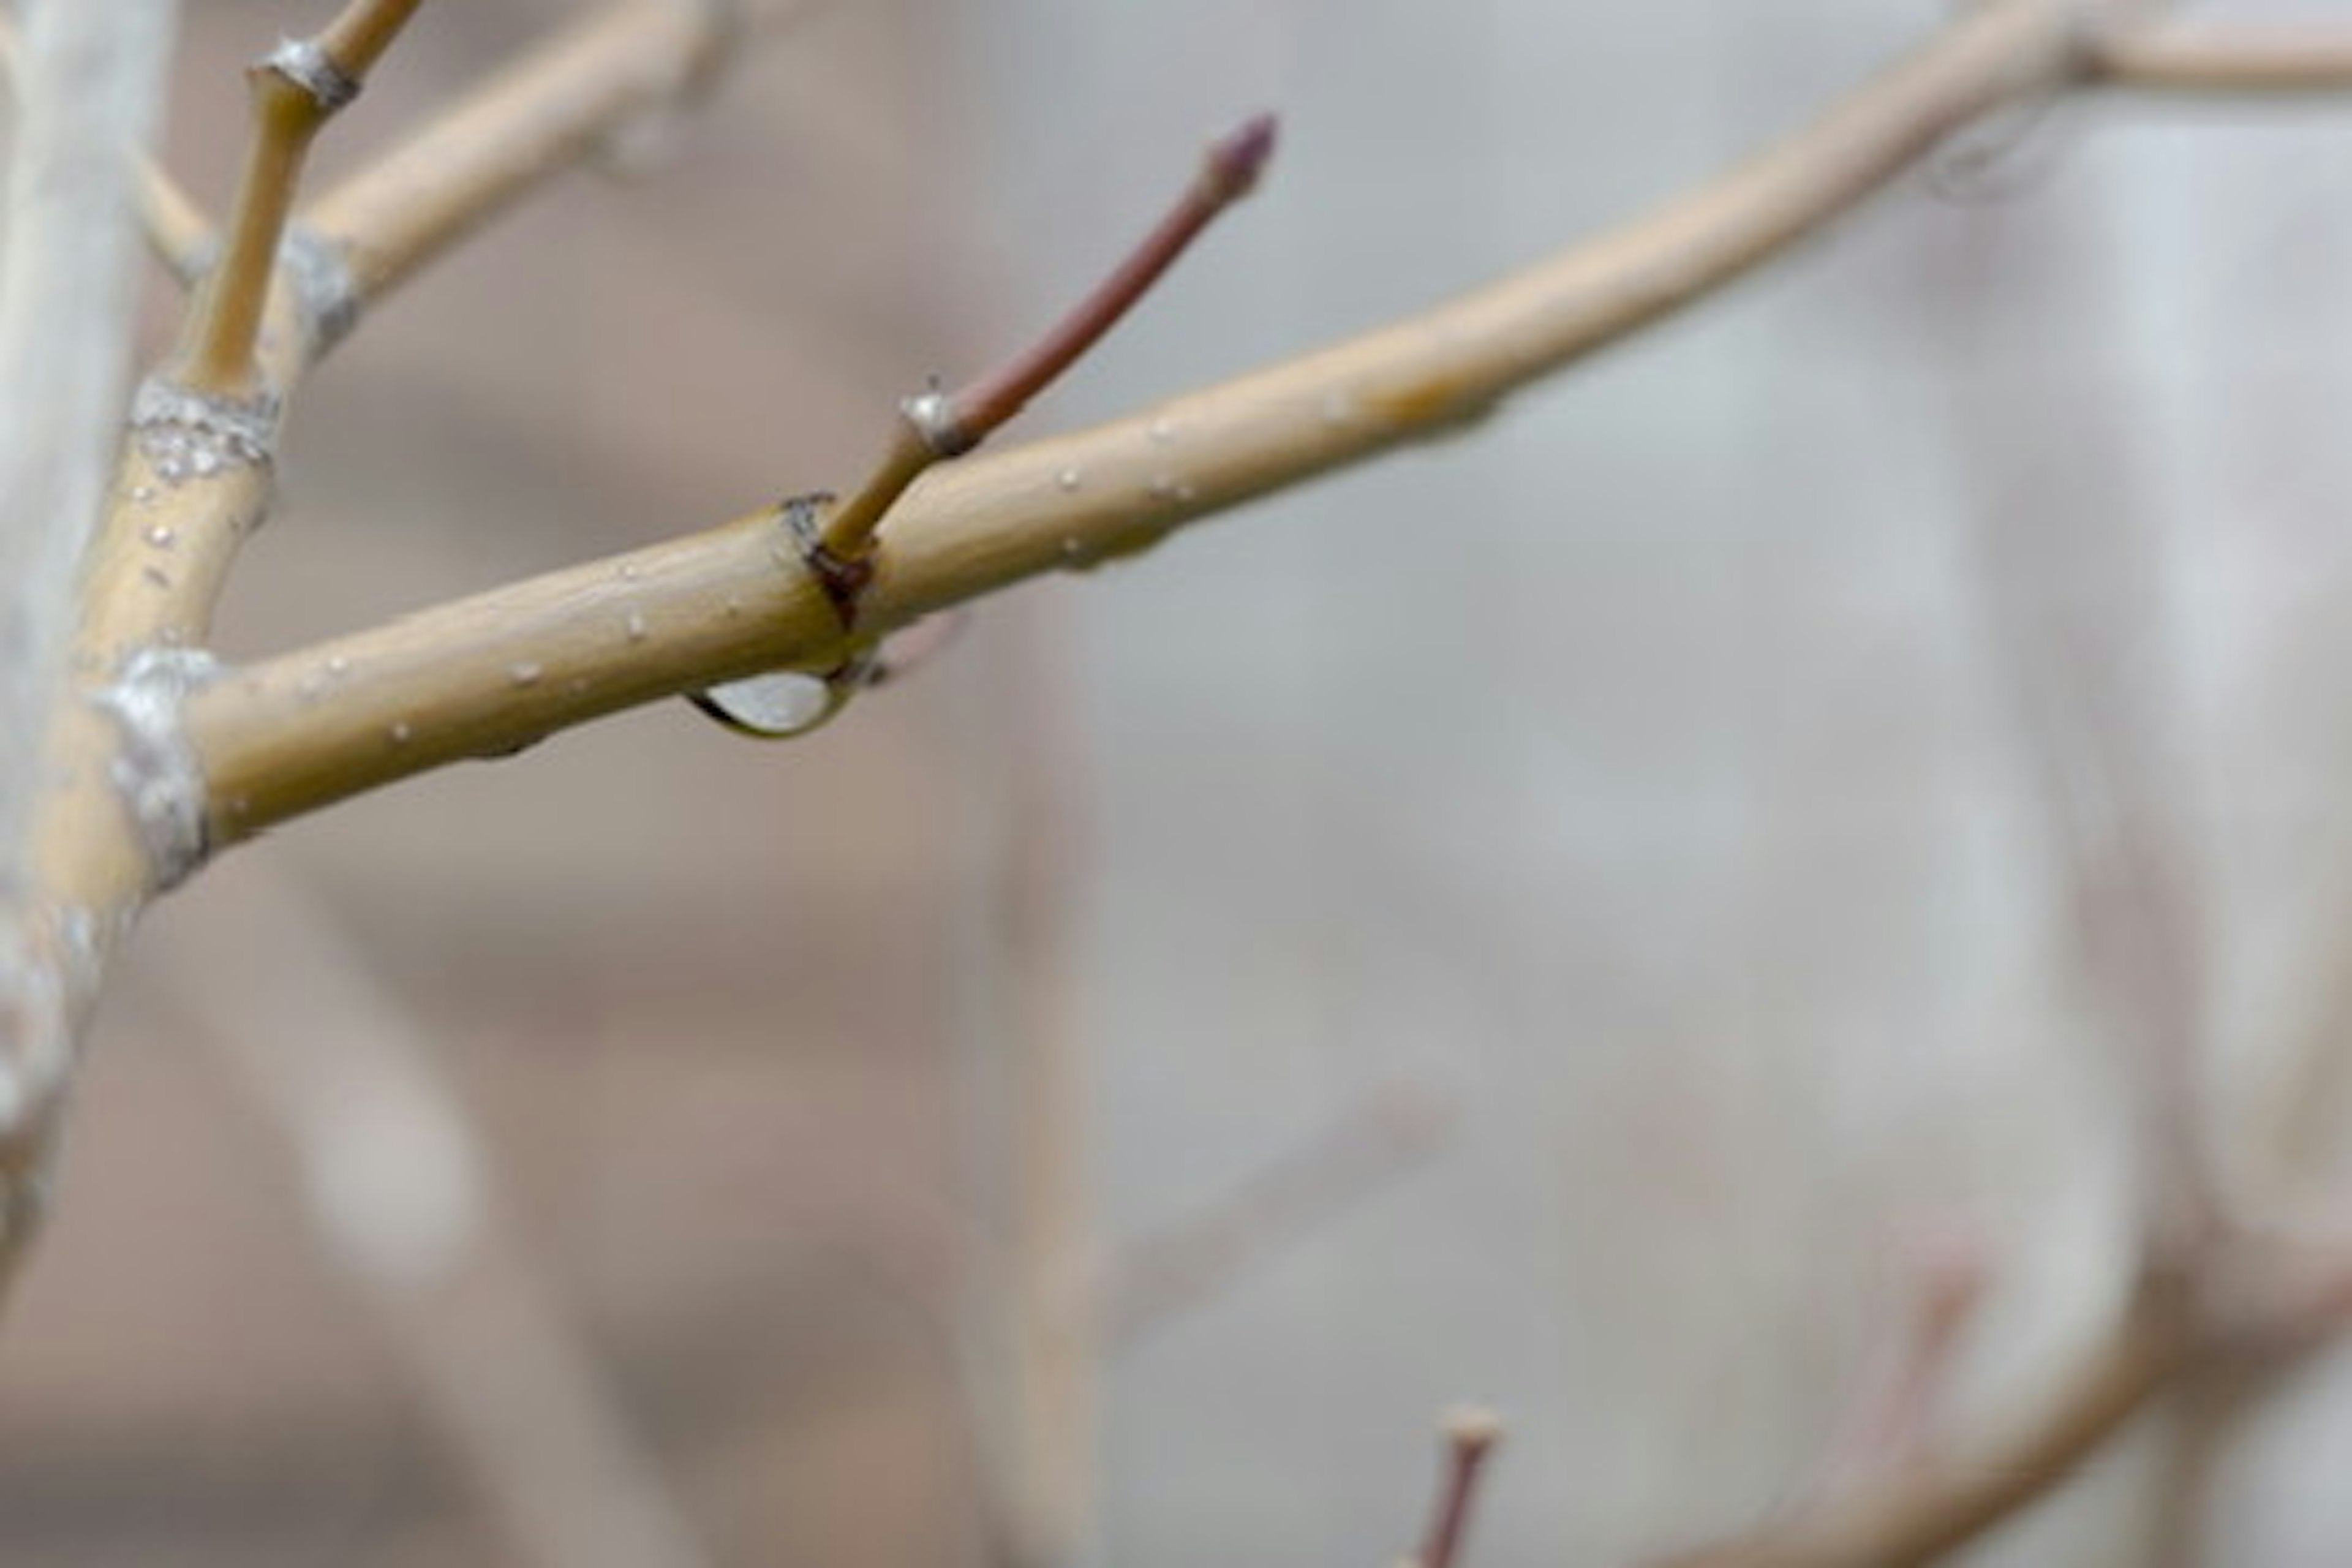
(296, 90)
(491, 674)
(534, 119)
(178, 233)
(1920, 1513)
(94, 78)
(1471, 1433)
(2226, 61)
(403, 1200)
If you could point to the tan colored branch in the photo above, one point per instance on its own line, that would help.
(2222, 60)
(296, 90)
(532, 120)
(488, 675)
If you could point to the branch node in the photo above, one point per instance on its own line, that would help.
(843, 577)
(932, 416)
(306, 63)
(318, 270)
(186, 435)
(156, 772)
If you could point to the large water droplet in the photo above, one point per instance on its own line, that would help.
(788, 702)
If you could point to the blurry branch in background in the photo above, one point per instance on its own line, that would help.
(1149, 1280)
(179, 235)
(531, 119)
(2225, 60)
(1891, 1424)
(92, 77)
(1470, 1433)
(401, 1196)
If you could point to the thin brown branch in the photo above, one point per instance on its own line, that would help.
(439, 686)
(2226, 61)
(933, 428)
(528, 122)
(1470, 1433)
(296, 90)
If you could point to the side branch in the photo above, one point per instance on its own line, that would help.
(451, 682)
(2226, 61)
(530, 121)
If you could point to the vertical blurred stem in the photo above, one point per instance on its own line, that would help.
(92, 78)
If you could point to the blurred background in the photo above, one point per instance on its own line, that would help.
(1567, 918)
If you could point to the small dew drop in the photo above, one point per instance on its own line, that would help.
(1186, 492)
(1337, 408)
(1163, 487)
(1073, 547)
(400, 733)
(637, 625)
(1069, 480)
(630, 573)
(204, 462)
(525, 674)
(143, 494)
(240, 807)
(337, 666)
(1163, 431)
(162, 538)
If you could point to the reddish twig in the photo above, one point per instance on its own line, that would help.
(1471, 1433)
(934, 426)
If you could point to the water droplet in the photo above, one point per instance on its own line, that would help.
(525, 674)
(636, 625)
(772, 706)
(162, 538)
(1337, 408)
(1186, 492)
(400, 733)
(1073, 547)
(337, 666)
(204, 462)
(1163, 431)
(240, 807)
(143, 494)
(630, 572)
(1163, 487)
(1069, 480)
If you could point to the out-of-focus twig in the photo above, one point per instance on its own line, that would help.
(403, 1199)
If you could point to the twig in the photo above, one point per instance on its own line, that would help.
(2228, 60)
(933, 426)
(438, 686)
(402, 1198)
(1157, 1277)
(296, 90)
(1470, 1434)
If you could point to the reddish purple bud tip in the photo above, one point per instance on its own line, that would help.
(1237, 158)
